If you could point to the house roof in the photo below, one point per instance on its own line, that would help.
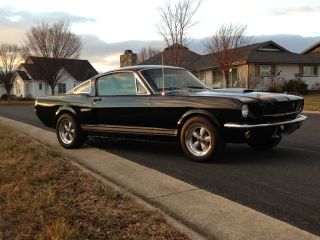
(209, 60)
(33, 71)
(23, 75)
(188, 58)
(311, 48)
(79, 69)
(263, 53)
(267, 52)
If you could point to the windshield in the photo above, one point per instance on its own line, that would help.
(174, 79)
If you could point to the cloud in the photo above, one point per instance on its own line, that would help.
(106, 55)
(11, 17)
(294, 10)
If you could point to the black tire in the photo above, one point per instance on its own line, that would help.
(195, 142)
(72, 137)
(264, 143)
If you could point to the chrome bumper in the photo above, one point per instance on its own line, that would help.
(300, 118)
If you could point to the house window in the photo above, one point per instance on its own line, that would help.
(40, 86)
(62, 88)
(265, 70)
(308, 71)
(217, 76)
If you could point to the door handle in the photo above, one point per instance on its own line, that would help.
(95, 99)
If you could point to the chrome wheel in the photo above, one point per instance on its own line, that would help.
(198, 140)
(66, 131)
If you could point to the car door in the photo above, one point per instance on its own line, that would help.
(121, 104)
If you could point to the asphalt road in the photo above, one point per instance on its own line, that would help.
(283, 183)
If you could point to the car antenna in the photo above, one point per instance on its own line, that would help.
(163, 93)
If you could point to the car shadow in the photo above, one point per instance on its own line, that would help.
(234, 154)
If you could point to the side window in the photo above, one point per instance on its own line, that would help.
(117, 84)
(141, 89)
(83, 88)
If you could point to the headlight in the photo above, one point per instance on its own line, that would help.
(245, 110)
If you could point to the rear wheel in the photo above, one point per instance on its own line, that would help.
(264, 143)
(68, 131)
(200, 139)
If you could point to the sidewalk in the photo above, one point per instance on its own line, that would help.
(207, 214)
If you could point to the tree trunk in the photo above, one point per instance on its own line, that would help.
(52, 89)
(226, 77)
(8, 95)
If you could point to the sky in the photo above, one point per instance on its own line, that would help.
(107, 26)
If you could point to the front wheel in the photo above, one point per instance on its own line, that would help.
(264, 143)
(68, 132)
(200, 139)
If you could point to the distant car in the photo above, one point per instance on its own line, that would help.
(162, 102)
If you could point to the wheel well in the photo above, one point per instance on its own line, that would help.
(213, 121)
(62, 112)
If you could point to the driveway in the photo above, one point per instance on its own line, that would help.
(283, 183)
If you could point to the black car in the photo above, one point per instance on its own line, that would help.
(170, 103)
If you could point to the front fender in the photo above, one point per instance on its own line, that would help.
(205, 113)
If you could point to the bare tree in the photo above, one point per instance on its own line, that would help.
(247, 80)
(9, 60)
(176, 20)
(147, 52)
(225, 46)
(53, 44)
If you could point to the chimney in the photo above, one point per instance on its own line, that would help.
(128, 59)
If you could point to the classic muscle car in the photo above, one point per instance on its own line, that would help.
(170, 103)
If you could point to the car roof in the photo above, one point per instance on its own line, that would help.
(143, 67)
(139, 68)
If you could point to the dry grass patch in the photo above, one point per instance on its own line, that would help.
(312, 102)
(43, 196)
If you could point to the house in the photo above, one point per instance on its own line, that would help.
(255, 67)
(31, 78)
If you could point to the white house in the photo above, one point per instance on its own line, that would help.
(31, 81)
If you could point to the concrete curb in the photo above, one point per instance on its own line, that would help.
(207, 214)
(311, 112)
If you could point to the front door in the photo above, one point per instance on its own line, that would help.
(121, 104)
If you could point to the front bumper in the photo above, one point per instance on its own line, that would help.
(299, 119)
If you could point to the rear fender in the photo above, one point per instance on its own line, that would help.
(65, 109)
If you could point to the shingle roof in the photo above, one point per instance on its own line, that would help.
(33, 71)
(260, 55)
(23, 75)
(283, 57)
(79, 69)
(312, 47)
(188, 58)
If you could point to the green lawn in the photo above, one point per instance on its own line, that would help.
(312, 102)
